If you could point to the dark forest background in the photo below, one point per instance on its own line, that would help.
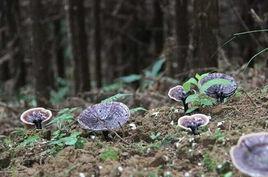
(52, 49)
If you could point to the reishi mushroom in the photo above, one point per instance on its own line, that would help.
(104, 116)
(35, 116)
(193, 122)
(177, 93)
(219, 91)
(250, 155)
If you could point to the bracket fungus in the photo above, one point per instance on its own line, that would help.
(193, 122)
(219, 91)
(177, 93)
(104, 116)
(250, 155)
(35, 116)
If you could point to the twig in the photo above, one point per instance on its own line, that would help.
(249, 98)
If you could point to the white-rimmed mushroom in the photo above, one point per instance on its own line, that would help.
(193, 122)
(250, 155)
(177, 93)
(35, 117)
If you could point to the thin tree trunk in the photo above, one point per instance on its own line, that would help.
(17, 65)
(205, 33)
(78, 36)
(97, 41)
(59, 49)
(158, 25)
(40, 53)
(182, 33)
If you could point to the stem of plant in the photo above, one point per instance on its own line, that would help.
(185, 105)
(38, 124)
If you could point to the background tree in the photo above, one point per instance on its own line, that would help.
(78, 38)
(40, 53)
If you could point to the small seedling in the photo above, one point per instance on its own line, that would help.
(109, 154)
(155, 136)
(209, 163)
(219, 136)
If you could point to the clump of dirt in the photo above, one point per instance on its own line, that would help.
(151, 144)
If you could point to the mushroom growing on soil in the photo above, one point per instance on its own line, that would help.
(219, 91)
(193, 122)
(104, 117)
(35, 116)
(177, 93)
(250, 155)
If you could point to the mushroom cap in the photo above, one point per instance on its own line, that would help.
(34, 114)
(177, 93)
(104, 116)
(215, 90)
(250, 155)
(195, 120)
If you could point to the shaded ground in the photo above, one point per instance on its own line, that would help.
(150, 145)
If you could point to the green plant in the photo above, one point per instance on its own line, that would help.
(109, 154)
(61, 139)
(219, 136)
(208, 162)
(155, 136)
(197, 97)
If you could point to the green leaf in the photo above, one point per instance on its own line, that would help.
(187, 85)
(30, 140)
(66, 117)
(138, 109)
(228, 174)
(157, 67)
(212, 82)
(131, 78)
(191, 98)
(117, 97)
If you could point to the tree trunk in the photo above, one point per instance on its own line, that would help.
(59, 49)
(97, 41)
(17, 65)
(158, 25)
(182, 33)
(205, 33)
(40, 53)
(78, 37)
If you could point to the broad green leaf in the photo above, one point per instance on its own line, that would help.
(138, 109)
(157, 67)
(131, 78)
(117, 97)
(192, 98)
(187, 85)
(199, 77)
(212, 82)
(228, 174)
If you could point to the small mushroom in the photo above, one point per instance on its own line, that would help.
(250, 155)
(219, 91)
(177, 93)
(193, 122)
(104, 117)
(35, 116)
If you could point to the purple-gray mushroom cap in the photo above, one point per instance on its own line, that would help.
(250, 155)
(218, 89)
(104, 116)
(177, 93)
(195, 120)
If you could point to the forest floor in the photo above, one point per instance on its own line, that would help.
(151, 143)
